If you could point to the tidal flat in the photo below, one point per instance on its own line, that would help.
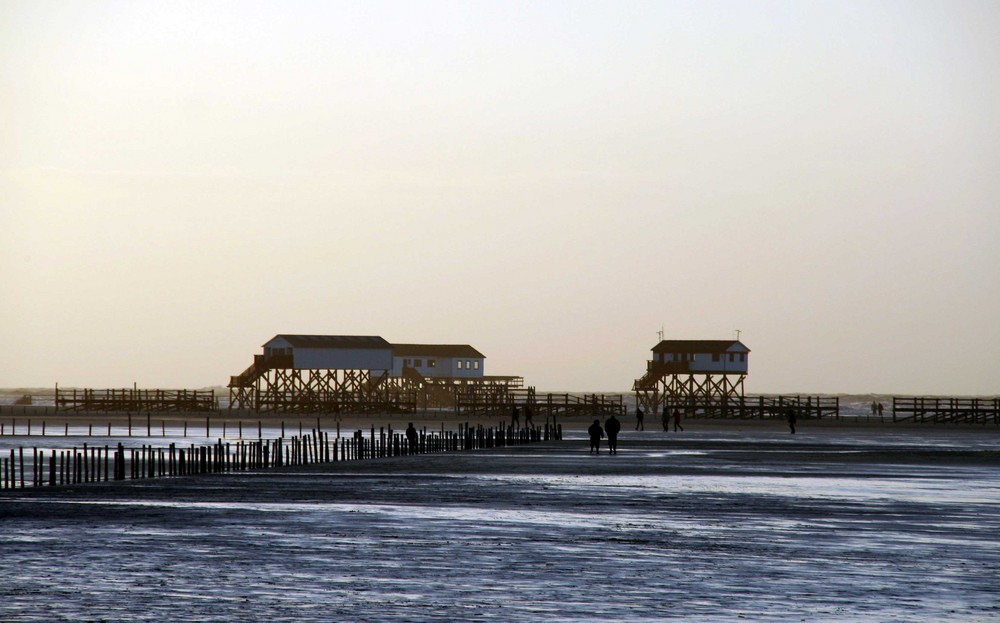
(718, 523)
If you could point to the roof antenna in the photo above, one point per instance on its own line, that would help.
(738, 335)
(660, 333)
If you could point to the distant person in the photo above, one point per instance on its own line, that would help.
(874, 408)
(665, 419)
(881, 411)
(677, 420)
(638, 419)
(791, 420)
(515, 417)
(596, 433)
(612, 427)
(527, 416)
(411, 438)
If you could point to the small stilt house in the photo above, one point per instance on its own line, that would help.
(702, 356)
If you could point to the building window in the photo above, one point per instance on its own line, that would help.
(432, 363)
(743, 357)
(715, 357)
(732, 357)
(417, 363)
(459, 364)
(406, 362)
(475, 365)
(468, 365)
(690, 356)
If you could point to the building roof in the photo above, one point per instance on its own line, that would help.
(334, 341)
(436, 350)
(700, 346)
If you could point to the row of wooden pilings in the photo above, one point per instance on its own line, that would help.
(104, 463)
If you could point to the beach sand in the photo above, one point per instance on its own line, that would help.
(727, 521)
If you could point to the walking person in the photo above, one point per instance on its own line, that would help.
(612, 427)
(677, 420)
(515, 417)
(881, 411)
(527, 417)
(665, 420)
(596, 433)
(638, 419)
(791, 420)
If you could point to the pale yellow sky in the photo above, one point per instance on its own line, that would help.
(549, 182)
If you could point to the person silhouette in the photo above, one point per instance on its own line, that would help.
(527, 416)
(665, 420)
(791, 420)
(638, 419)
(677, 420)
(596, 433)
(612, 427)
(411, 438)
(515, 418)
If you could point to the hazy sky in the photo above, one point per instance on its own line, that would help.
(548, 181)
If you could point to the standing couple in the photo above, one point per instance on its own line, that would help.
(612, 427)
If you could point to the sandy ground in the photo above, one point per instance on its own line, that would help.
(723, 522)
(56, 423)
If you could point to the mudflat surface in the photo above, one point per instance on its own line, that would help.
(718, 524)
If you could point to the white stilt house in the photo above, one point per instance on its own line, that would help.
(327, 352)
(703, 356)
(365, 373)
(439, 360)
(704, 376)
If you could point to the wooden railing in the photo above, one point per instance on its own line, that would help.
(944, 409)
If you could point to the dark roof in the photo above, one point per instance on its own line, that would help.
(436, 350)
(699, 346)
(334, 341)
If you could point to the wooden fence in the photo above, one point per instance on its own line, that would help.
(940, 409)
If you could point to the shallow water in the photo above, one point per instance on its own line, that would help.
(711, 527)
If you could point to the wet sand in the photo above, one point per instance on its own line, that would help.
(724, 522)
